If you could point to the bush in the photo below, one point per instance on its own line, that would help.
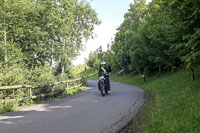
(13, 75)
(41, 75)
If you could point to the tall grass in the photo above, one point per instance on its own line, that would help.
(177, 104)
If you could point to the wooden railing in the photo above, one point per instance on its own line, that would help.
(52, 93)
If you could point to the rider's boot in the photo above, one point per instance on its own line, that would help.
(108, 86)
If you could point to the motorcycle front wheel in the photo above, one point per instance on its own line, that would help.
(102, 88)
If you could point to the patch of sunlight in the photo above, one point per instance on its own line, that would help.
(8, 119)
(81, 100)
(41, 107)
(59, 107)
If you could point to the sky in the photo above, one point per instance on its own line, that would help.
(111, 14)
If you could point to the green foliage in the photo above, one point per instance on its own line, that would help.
(46, 30)
(95, 58)
(12, 99)
(188, 30)
(81, 70)
(13, 75)
(160, 35)
(41, 76)
(38, 40)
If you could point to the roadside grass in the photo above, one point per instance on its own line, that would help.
(177, 103)
(171, 103)
(87, 72)
(83, 71)
(94, 77)
(78, 69)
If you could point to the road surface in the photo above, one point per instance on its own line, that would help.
(86, 112)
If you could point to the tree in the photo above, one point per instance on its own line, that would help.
(186, 16)
(43, 34)
(145, 39)
(46, 30)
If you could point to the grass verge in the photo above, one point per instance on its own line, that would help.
(171, 106)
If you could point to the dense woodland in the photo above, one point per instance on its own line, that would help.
(161, 35)
(39, 38)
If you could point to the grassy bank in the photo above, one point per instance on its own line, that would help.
(172, 103)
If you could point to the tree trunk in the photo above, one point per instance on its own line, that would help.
(139, 73)
(51, 65)
(144, 79)
(193, 73)
(172, 68)
(62, 68)
(160, 69)
(5, 41)
(51, 61)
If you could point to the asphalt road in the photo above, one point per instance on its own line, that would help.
(86, 112)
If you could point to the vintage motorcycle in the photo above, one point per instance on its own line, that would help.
(102, 84)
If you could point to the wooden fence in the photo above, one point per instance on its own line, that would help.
(52, 93)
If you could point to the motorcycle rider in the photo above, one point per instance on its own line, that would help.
(106, 70)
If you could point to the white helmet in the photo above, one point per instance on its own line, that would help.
(103, 63)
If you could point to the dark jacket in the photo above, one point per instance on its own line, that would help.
(108, 70)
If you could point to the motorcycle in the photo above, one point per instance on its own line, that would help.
(103, 86)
